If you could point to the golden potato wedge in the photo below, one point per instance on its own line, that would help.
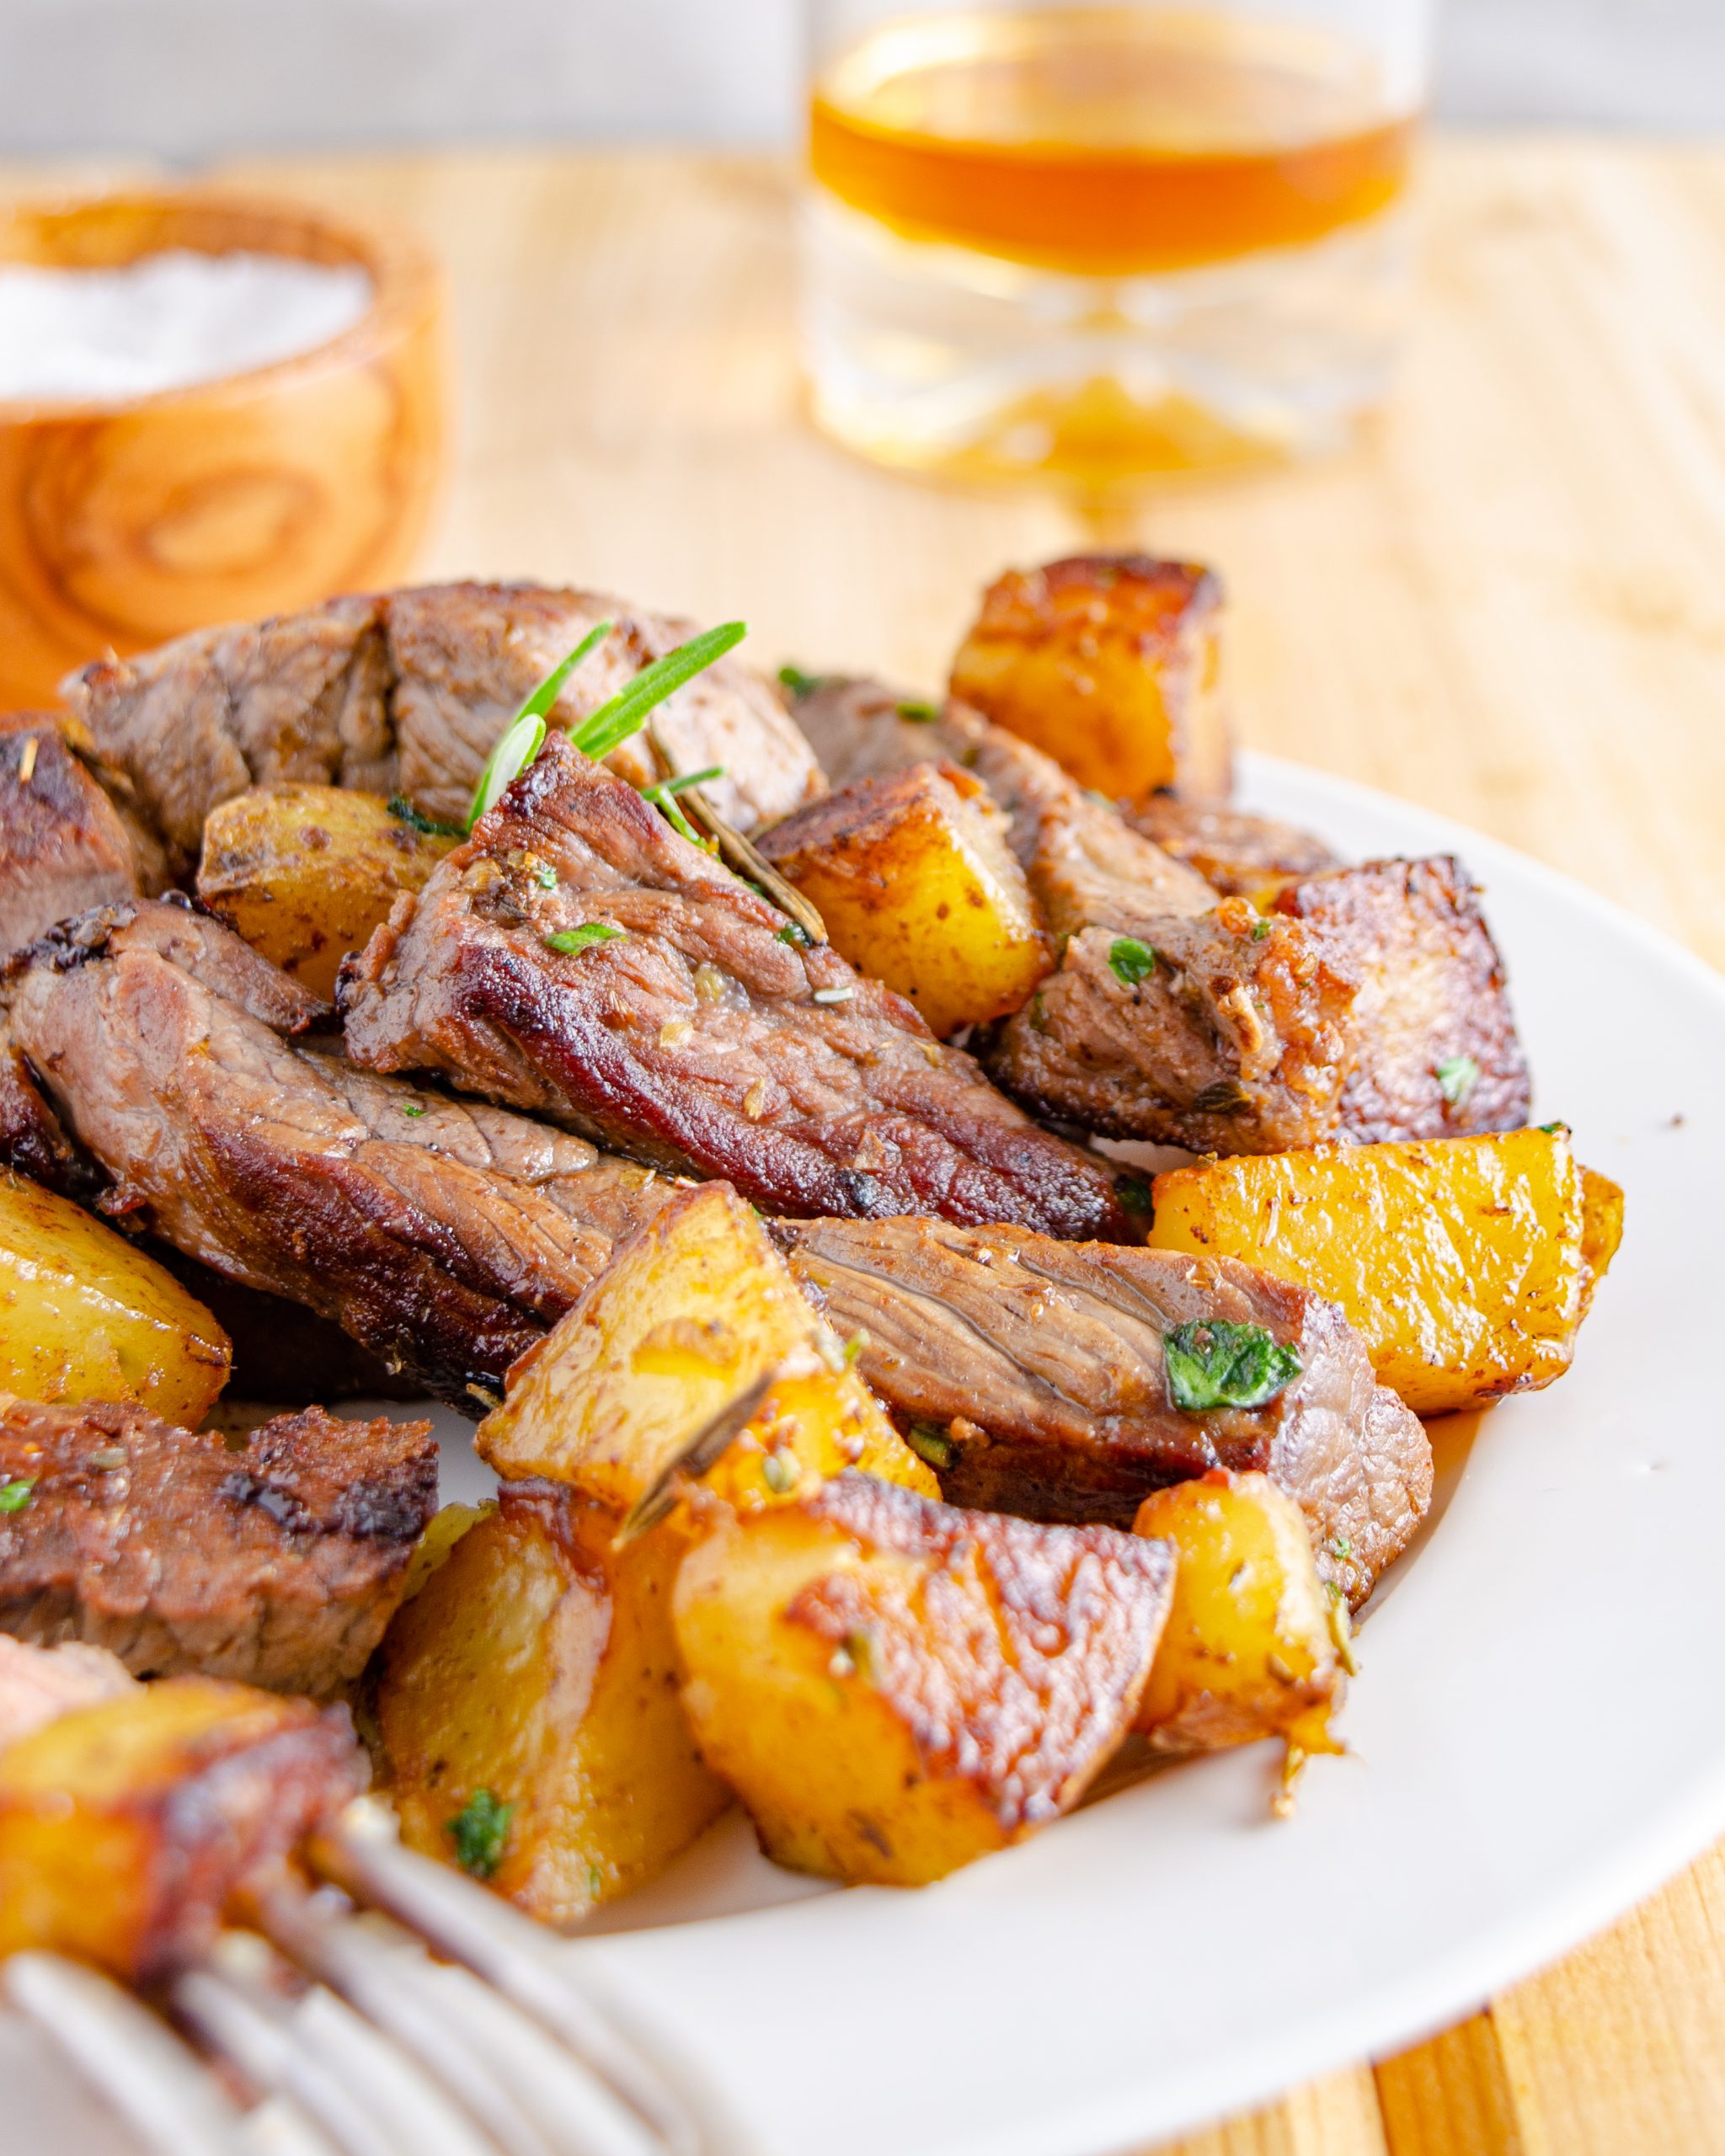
(306, 872)
(529, 1710)
(1255, 1643)
(125, 1826)
(1601, 1231)
(1109, 663)
(913, 876)
(695, 1319)
(1462, 1262)
(894, 1687)
(83, 1316)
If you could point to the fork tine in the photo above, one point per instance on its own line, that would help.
(370, 2099)
(528, 2092)
(149, 2077)
(361, 1852)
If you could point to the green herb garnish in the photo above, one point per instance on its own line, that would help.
(797, 682)
(572, 942)
(1260, 929)
(918, 712)
(1551, 1129)
(15, 1495)
(794, 933)
(545, 876)
(479, 1831)
(404, 812)
(626, 713)
(662, 796)
(411, 1107)
(1131, 961)
(511, 757)
(929, 1442)
(1457, 1075)
(1134, 1194)
(1212, 1363)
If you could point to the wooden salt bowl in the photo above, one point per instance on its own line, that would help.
(126, 523)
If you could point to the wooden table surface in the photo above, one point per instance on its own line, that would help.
(1509, 605)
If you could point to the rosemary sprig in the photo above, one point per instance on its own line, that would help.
(524, 737)
(662, 796)
(626, 713)
(538, 705)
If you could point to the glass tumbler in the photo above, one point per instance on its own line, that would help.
(1102, 243)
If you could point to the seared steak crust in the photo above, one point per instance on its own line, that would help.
(1432, 1049)
(274, 1558)
(443, 1236)
(1239, 854)
(694, 1036)
(1041, 1365)
(409, 691)
(64, 846)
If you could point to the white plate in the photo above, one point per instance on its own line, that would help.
(1535, 1736)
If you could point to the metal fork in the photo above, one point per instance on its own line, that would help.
(392, 2008)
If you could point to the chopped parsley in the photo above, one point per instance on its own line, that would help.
(1130, 960)
(929, 1442)
(1457, 1075)
(1551, 1129)
(918, 713)
(1134, 1194)
(545, 876)
(15, 1495)
(1213, 1362)
(416, 820)
(412, 1107)
(1260, 929)
(794, 933)
(572, 942)
(797, 682)
(480, 1832)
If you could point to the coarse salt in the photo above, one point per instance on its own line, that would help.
(166, 321)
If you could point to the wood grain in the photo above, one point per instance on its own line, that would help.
(122, 527)
(1507, 603)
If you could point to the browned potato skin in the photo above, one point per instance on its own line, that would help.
(537, 1662)
(1432, 987)
(1109, 663)
(894, 1687)
(1601, 1231)
(126, 1828)
(913, 876)
(306, 872)
(1254, 1642)
(1240, 855)
(693, 1310)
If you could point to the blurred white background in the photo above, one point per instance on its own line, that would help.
(189, 80)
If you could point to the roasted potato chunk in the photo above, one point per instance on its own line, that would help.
(126, 1826)
(1254, 1643)
(529, 1708)
(695, 1321)
(1432, 1049)
(306, 872)
(1463, 1263)
(86, 1317)
(894, 1687)
(913, 876)
(1109, 663)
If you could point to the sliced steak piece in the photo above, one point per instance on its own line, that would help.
(1239, 854)
(688, 1030)
(1433, 1051)
(37, 1684)
(1237, 1037)
(274, 1557)
(64, 845)
(1038, 1366)
(442, 1236)
(407, 691)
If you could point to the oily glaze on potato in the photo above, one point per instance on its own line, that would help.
(893, 1687)
(1109, 663)
(913, 874)
(1252, 1647)
(126, 1826)
(536, 1666)
(306, 872)
(1465, 1264)
(85, 1315)
(696, 1316)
